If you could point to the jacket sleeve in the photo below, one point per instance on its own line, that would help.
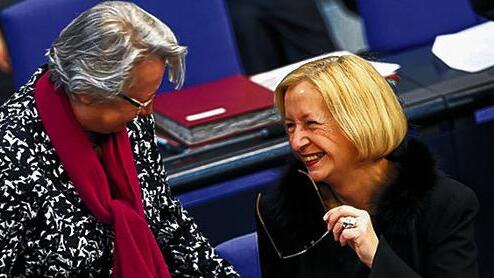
(450, 249)
(15, 210)
(388, 264)
(187, 252)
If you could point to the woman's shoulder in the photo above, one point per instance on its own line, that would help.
(419, 183)
(19, 110)
(421, 194)
(449, 208)
(450, 197)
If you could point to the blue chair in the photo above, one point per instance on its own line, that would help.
(204, 27)
(243, 254)
(32, 25)
(396, 25)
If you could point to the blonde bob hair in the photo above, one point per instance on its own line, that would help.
(359, 99)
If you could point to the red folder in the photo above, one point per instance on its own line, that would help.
(215, 110)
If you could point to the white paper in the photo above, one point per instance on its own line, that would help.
(470, 50)
(272, 78)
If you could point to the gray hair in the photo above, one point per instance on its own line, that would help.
(97, 51)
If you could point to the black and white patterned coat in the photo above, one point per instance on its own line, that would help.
(45, 229)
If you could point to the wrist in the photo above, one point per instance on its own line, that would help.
(372, 253)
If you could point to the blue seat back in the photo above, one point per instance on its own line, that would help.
(204, 27)
(32, 25)
(243, 254)
(393, 25)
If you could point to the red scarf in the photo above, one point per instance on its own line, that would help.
(136, 252)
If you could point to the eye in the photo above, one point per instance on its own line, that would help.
(289, 127)
(311, 123)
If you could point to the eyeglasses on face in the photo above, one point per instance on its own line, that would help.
(135, 102)
(285, 255)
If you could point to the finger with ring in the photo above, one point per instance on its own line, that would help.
(349, 222)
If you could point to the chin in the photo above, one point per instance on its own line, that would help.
(316, 176)
(108, 131)
(320, 174)
(117, 130)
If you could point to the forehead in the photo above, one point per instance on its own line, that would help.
(146, 77)
(303, 99)
(302, 91)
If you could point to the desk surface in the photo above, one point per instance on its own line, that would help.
(427, 88)
(432, 88)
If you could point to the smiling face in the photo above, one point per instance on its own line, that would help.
(114, 114)
(314, 135)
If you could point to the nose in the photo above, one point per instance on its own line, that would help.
(298, 140)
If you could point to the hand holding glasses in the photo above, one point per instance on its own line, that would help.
(353, 227)
(348, 225)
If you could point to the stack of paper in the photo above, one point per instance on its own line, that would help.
(470, 50)
(271, 79)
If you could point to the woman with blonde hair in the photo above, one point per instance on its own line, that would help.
(363, 200)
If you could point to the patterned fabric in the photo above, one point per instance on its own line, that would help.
(45, 230)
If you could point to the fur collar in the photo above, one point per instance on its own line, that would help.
(400, 205)
(289, 207)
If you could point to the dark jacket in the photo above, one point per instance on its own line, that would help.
(424, 221)
(46, 230)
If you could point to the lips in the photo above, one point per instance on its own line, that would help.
(312, 159)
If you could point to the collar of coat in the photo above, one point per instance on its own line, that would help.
(398, 207)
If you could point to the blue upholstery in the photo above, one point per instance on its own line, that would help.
(204, 27)
(243, 254)
(393, 25)
(31, 26)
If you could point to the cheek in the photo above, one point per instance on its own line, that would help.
(346, 152)
(325, 143)
(290, 140)
(117, 118)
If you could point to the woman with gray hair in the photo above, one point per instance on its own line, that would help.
(83, 191)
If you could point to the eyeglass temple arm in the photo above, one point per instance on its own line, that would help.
(258, 201)
(316, 188)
